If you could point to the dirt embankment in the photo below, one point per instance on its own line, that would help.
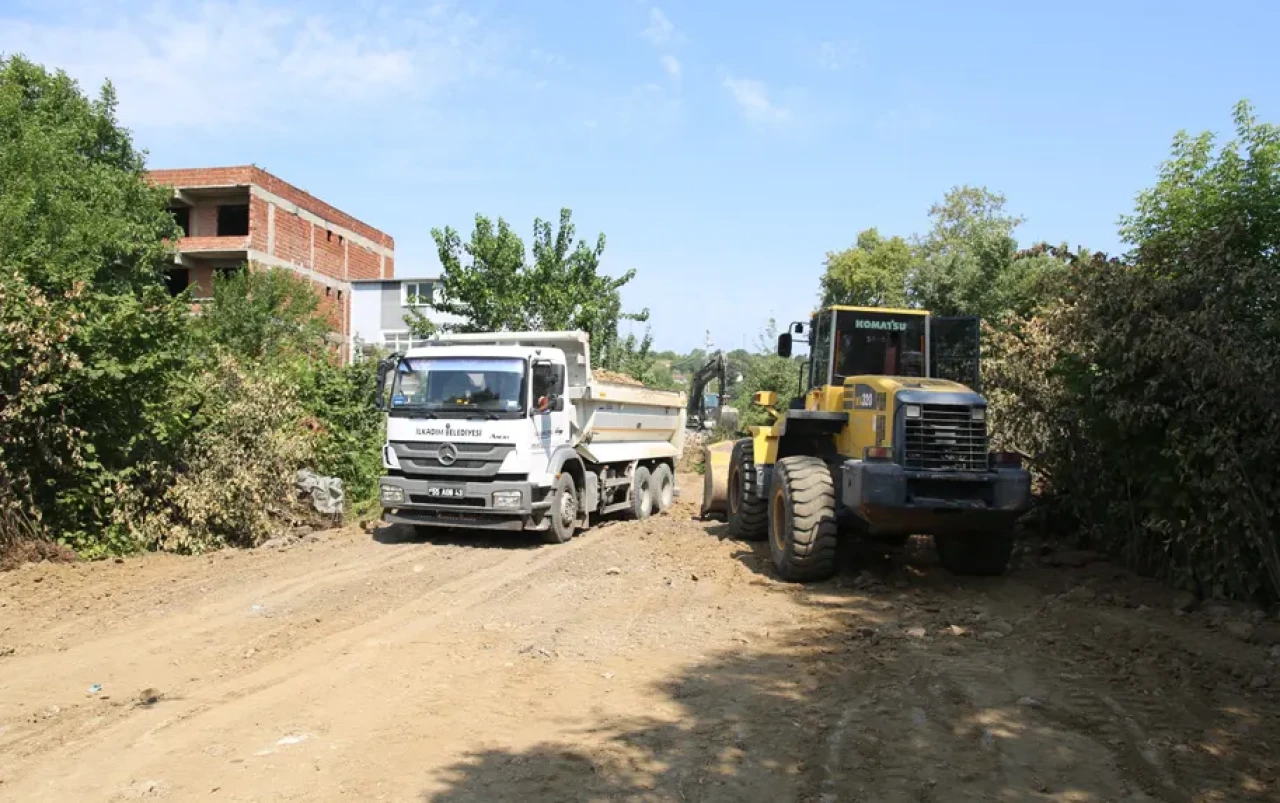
(648, 661)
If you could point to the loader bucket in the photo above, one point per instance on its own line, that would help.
(715, 479)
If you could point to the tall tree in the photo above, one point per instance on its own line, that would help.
(969, 264)
(1200, 192)
(871, 273)
(965, 254)
(490, 285)
(82, 253)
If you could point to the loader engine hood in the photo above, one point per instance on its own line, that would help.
(933, 391)
(872, 392)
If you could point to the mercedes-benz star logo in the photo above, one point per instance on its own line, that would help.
(448, 454)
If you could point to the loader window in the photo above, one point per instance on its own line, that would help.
(820, 350)
(879, 345)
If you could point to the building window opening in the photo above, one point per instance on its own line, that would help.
(233, 220)
(418, 294)
(228, 271)
(182, 216)
(178, 280)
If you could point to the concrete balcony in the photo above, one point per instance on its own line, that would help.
(234, 247)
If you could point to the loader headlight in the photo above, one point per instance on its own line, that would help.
(507, 499)
(911, 411)
(391, 494)
(978, 414)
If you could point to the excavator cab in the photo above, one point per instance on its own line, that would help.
(891, 441)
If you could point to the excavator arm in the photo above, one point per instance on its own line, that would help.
(715, 368)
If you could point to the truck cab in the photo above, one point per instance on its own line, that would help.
(471, 432)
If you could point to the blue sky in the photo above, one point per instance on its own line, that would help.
(723, 148)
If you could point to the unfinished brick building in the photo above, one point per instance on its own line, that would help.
(233, 216)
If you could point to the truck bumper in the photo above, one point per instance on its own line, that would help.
(891, 500)
(408, 501)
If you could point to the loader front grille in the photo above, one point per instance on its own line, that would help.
(945, 438)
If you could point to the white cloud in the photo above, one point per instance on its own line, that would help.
(833, 55)
(211, 62)
(671, 64)
(753, 100)
(661, 30)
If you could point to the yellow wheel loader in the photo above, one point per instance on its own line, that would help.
(888, 440)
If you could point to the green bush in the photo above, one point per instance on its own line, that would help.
(234, 483)
(1148, 395)
(94, 348)
(1149, 404)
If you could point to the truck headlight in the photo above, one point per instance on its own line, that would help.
(392, 494)
(911, 411)
(978, 414)
(507, 499)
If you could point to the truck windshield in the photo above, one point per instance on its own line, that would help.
(459, 385)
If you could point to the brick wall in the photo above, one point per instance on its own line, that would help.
(317, 207)
(293, 238)
(197, 244)
(247, 175)
(203, 177)
(362, 263)
(259, 223)
(204, 221)
(330, 252)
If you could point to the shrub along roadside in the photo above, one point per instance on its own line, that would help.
(1149, 393)
(125, 422)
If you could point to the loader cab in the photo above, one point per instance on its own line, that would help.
(864, 341)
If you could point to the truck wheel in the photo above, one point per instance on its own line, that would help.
(748, 509)
(975, 554)
(664, 487)
(564, 511)
(641, 493)
(802, 520)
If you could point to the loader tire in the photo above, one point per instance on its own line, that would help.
(563, 513)
(641, 493)
(802, 520)
(748, 507)
(975, 554)
(663, 483)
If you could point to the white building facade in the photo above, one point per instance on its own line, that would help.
(379, 308)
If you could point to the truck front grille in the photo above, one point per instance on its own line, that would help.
(945, 438)
(472, 461)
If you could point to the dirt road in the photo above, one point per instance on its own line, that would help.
(648, 661)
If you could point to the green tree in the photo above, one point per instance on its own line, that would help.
(263, 312)
(491, 286)
(1201, 191)
(1148, 396)
(967, 255)
(83, 237)
(872, 273)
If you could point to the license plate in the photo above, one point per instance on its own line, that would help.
(445, 493)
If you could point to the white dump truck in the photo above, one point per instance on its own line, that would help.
(509, 431)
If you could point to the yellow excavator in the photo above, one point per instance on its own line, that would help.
(888, 439)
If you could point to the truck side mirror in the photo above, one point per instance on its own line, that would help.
(784, 344)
